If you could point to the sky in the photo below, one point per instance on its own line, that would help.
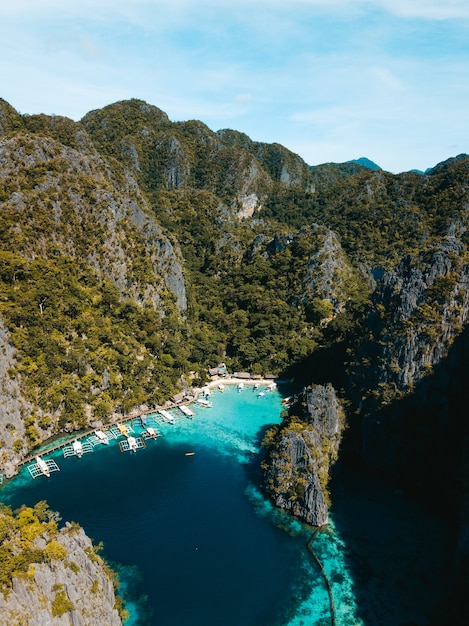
(331, 80)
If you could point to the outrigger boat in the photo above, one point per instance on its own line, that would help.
(101, 437)
(151, 433)
(42, 465)
(131, 443)
(166, 416)
(204, 402)
(123, 429)
(78, 448)
(186, 410)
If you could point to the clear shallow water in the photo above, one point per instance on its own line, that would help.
(192, 534)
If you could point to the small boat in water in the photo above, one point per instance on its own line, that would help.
(123, 429)
(42, 465)
(132, 444)
(151, 433)
(78, 448)
(185, 410)
(101, 437)
(204, 402)
(189, 453)
(167, 417)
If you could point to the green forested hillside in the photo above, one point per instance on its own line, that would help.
(135, 251)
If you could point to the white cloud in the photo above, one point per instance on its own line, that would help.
(243, 97)
(357, 77)
(428, 9)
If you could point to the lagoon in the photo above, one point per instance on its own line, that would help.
(194, 539)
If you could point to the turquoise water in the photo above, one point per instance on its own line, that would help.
(195, 540)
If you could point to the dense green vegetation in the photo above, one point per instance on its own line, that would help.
(30, 536)
(86, 298)
(81, 344)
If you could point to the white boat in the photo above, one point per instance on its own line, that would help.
(221, 387)
(271, 386)
(101, 437)
(186, 410)
(151, 433)
(204, 402)
(206, 392)
(78, 448)
(240, 386)
(166, 416)
(42, 465)
(132, 444)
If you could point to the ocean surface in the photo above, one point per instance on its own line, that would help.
(193, 538)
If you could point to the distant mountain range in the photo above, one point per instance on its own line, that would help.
(136, 253)
(371, 165)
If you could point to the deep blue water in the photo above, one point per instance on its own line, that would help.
(193, 534)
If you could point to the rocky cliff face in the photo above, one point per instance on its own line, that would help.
(67, 197)
(409, 386)
(301, 453)
(13, 409)
(59, 579)
(419, 308)
(418, 311)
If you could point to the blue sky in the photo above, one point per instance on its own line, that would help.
(332, 80)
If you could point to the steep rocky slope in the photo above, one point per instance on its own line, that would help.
(52, 577)
(300, 454)
(14, 408)
(419, 309)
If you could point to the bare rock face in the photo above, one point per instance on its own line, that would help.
(78, 192)
(14, 408)
(62, 580)
(403, 392)
(419, 308)
(301, 452)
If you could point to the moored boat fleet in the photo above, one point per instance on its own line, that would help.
(131, 435)
(125, 434)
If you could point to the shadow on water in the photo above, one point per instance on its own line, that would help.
(400, 515)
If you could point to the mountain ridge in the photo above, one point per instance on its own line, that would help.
(137, 252)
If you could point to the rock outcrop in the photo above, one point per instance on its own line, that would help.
(419, 310)
(301, 452)
(57, 577)
(13, 409)
(67, 197)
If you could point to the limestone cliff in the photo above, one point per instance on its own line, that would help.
(56, 198)
(52, 577)
(13, 409)
(301, 453)
(419, 310)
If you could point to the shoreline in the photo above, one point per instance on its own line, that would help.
(63, 439)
